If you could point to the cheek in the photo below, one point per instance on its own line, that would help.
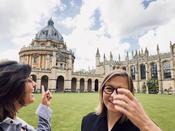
(105, 98)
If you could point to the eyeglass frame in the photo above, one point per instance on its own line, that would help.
(112, 89)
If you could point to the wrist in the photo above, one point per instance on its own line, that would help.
(150, 126)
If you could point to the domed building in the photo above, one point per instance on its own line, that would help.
(53, 63)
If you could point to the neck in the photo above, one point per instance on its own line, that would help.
(17, 106)
(112, 118)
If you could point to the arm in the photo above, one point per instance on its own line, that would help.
(44, 112)
(126, 103)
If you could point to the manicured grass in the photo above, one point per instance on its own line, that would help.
(69, 108)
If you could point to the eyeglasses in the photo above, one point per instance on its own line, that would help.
(109, 89)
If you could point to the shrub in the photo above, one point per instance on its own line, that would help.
(153, 87)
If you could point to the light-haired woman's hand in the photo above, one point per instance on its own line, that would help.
(46, 96)
(126, 103)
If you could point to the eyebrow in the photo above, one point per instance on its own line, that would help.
(115, 86)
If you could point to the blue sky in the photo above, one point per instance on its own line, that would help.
(116, 26)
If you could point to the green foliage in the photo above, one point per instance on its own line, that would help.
(69, 108)
(153, 87)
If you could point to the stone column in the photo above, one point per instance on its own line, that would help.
(78, 85)
(38, 87)
(27, 59)
(173, 74)
(137, 77)
(67, 84)
(159, 73)
(52, 84)
(47, 62)
(85, 85)
(93, 85)
(30, 60)
(43, 61)
(147, 75)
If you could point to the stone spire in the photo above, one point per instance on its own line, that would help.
(97, 53)
(146, 51)
(97, 57)
(104, 57)
(127, 56)
(136, 53)
(158, 51)
(119, 57)
(111, 56)
(171, 48)
(50, 22)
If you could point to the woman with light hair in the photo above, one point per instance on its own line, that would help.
(118, 109)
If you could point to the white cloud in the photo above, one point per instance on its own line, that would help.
(119, 19)
(161, 36)
(19, 21)
(86, 41)
(10, 54)
(126, 18)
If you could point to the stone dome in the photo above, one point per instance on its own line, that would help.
(49, 33)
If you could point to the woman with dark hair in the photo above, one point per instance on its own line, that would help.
(118, 109)
(16, 88)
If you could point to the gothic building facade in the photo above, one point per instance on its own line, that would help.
(53, 65)
(143, 67)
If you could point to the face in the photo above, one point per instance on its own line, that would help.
(29, 88)
(115, 82)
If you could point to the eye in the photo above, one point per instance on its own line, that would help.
(109, 88)
(29, 80)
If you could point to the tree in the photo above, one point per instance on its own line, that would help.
(153, 87)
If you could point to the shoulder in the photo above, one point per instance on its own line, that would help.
(24, 124)
(87, 121)
(94, 122)
(90, 116)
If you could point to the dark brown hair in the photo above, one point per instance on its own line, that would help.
(12, 87)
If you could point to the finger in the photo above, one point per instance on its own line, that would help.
(121, 104)
(126, 92)
(122, 97)
(49, 94)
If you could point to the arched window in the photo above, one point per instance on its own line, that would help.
(166, 70)
(73, 84)
(82, 84)
(44, 81)
(142, 71)
(133, 72)
(60, 84)
(96, 85)
(154, 70)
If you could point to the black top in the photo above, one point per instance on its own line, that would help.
(93, 122)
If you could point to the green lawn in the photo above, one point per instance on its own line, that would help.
(69, 108)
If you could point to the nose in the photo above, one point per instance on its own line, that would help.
(114, 93)
(34, 84)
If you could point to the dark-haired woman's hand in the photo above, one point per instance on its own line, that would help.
(126, 103)
(46, 97)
